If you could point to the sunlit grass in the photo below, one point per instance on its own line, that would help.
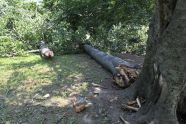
(21, 78)
(29, 74)
(24, 74)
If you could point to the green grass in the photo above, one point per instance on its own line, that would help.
(21, 78)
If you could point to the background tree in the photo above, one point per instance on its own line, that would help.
(163, 78)
(104, 24)
(20, 26)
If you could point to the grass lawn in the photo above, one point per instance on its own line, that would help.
(23, 79)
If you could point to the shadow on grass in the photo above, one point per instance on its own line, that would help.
(59, 78)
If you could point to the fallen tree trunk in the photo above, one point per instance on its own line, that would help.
(117, 66)
(108, 61)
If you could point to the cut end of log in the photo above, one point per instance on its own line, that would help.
(125, 76)
(48, 54)
(119, 80)
(45, 51)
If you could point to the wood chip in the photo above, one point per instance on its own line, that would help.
(79, 108)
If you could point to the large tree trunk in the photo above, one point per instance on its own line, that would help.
(163, 78)
(124, 73)
(108, 61)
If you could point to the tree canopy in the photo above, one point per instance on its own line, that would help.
(20, 25)
(105, 24)
(112, 25)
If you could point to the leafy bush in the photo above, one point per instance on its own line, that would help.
(20, 26)
(10, 47)
(112, 26)
(128, 38)
(121, 38)
(59, 39)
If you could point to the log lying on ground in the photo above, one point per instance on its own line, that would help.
(45, 51)
(125, 76)
(124, 73)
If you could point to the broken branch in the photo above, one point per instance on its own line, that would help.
(125, 122)
(97, 85)
(127, 107)
(131, 103)
(138, 102)
(33, 51)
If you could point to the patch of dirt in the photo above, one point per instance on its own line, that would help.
(49, 107)
(107, 104)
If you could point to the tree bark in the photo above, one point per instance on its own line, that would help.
(124, 73)
(108, 61)
(163, 78)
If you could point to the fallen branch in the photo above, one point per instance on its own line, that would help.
(33, 51)
(126, 107)
(131, 103)
(97, 85)
(124, 121)
(138, 102)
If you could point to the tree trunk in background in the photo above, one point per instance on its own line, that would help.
(163, 78)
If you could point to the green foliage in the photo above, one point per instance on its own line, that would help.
(10, 47)
(20, 23)
(112, 25)
(64, 40)
(121, 38)
(128, 38)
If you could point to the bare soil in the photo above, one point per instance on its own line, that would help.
(107, 105)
